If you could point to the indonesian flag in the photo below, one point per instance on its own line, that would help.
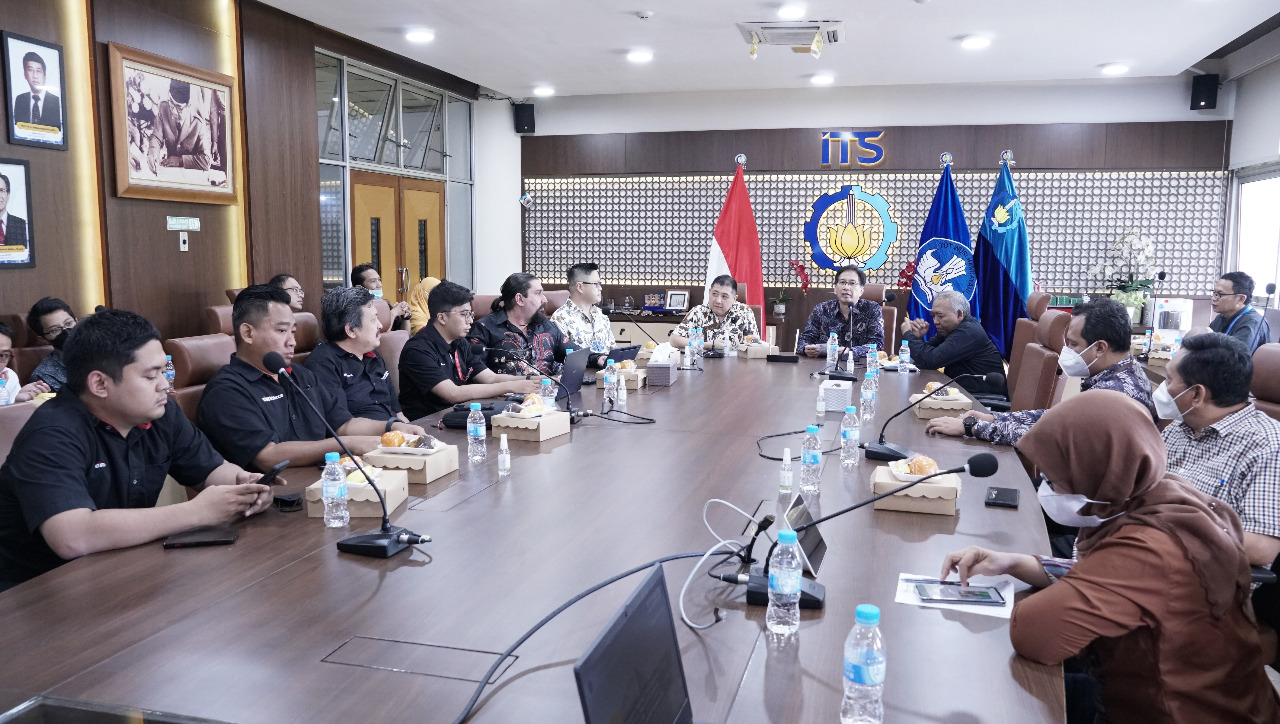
(735, 245)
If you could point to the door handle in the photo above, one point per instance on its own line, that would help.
(404, 279)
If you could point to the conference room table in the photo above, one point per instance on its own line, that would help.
(281, 627)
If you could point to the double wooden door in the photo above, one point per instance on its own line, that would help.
(397, 225)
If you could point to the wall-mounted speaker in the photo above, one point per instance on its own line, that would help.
(1204, 92)
(523, 113)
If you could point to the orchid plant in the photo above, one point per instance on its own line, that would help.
(1130, 270)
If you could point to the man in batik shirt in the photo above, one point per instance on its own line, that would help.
(583, 324)
(721, 315)
(857, 322)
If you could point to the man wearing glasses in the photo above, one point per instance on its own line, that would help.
(1232, 300)
(438, 367)
(52, 320)
(288, 283)
(580, 318)
(857, 322)
(14, 391)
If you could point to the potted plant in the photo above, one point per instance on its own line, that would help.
(1129, 272)
(780, 303)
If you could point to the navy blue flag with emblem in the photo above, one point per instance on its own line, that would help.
(945, 259)
(1002, 260)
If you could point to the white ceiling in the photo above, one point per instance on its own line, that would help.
(579, 46)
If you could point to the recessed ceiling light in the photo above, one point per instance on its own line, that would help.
(791, 12)
(640, 55)
(822, 79)
(543, 91)
(975, 42)
(420, 35)
(1114, 69)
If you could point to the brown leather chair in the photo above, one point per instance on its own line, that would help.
(557, 298)
(758, 312)
(876, 293)
(1037, 303)
(232, 294)
(1266, 379)
(482, 304)
(195, 361)
(22, 337)
(1024, 333)
(25, 360)
(1039, 375)
(12, 418)
(306, 337)
(1051, 333)
(390, 346)
(218, 320)
(384, 315)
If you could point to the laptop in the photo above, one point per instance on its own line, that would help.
(632, 673)
(621, 354)
(571, 374)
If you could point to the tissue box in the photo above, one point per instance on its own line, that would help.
(941, 407)
(662, 374)
(756, 351)
(634, 379)
(937, 495)
(837, 394)
(532, 429)
(421, 469)
(362, 501)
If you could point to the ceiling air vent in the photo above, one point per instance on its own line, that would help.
(793, 34)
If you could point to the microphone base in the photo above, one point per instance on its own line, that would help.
(712, 354)
(788, 358)
(887, 451)
(812, 594)
(374, 545)
(843, 375)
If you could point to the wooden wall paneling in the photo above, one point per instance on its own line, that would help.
(1055, 146)
(1186, 145)
(574, 155)
(148, 274)
(279, 81)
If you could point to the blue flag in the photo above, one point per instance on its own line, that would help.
(1003, 262)
(945, 259)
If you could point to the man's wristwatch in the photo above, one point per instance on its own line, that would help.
(390, 422)
(969, 422)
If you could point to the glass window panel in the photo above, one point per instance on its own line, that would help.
(1260, 232)
(367, 103)
(328, 101)
(458, 259)
(459, 139)
(420, 116)
(333, 226)
(391, 142)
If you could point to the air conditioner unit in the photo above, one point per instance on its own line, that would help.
(793, 34)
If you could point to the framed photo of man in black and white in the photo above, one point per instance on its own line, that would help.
(36, 92)
(15, 215)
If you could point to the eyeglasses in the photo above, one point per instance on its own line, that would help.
(296, 290)
(1219, 295)
(597, 285)
(465, 315)
(847, 283)
(55, 331)
(6, 356)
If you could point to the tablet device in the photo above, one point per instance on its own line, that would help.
(212, 535)
(953, 592)
(620, 354)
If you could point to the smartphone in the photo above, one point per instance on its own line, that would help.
(270, 477)
(953, 592)
(214, 535)
(1002, 497)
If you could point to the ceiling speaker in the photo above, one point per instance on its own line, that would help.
(524, 116)
(1204, 92)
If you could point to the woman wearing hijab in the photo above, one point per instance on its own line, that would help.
(419, 317)
(1158, 598)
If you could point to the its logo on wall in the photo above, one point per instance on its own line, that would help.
(851, 226)
(943, 265)
(855, 141)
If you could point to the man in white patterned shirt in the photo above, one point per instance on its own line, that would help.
(1219, 441)
(583, 324)
(721, 314)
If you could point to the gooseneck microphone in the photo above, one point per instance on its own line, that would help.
(882, 450)
(982, 465)
(633, 321)
(389, 540)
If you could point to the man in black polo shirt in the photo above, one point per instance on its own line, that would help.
(348, 361)
(87, 468)
(257, 420)
(519, 326)
(961, 344)
(438, 366)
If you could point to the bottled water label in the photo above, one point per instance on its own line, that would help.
(475, 429)
(868, 671)
(853, 434)
(787, 583)
(811, 457)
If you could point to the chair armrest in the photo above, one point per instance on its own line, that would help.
(1260, 574)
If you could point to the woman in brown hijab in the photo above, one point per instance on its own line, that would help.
(1159, 595)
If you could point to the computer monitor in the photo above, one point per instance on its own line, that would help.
(632, 673)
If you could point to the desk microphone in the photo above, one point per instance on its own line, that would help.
(637, 324)
(389, 540)
(882, 450)
(1271, 290)
(812, 593)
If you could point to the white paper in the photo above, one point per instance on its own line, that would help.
(907, 594)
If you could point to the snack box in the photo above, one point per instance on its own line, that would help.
(936, 495)
(662, 374)
(421, 469)
(756, 351)
(837, 394)
(533, 429)
(362, 501)
(642, 358)
(941, 406)
(635, 379)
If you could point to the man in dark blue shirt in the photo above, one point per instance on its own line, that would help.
(1231, 299)
(858, 323)
(961, 345)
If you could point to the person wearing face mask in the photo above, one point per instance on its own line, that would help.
(519, 323)
(1156, 607)
(1232, 300)
(52, 320)
(367, 276)
(1096, 348)
(721, 314)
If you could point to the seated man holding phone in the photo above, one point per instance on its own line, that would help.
(87, 468)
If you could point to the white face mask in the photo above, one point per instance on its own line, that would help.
(377, 293)
(1064, 508)
(1166, 405)
(1073, 364)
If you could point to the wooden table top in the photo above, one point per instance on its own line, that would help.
(241, 633)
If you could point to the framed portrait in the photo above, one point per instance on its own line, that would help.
(172, 128)
(16, 247)
(35, 92)
(677, 300)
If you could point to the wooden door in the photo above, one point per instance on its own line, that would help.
(422, 246)
(397, 224)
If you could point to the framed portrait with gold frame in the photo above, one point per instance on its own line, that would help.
(172, 124)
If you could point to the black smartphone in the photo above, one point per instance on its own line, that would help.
(269, 477)
(214, 535)
(1002, 497)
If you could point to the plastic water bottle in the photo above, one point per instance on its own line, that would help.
(622, 392)
(820, 408)
(688, 352)
(786, 494)
(868, 395)
(783, 615)
(850, 437)
(810, 461)
(169, 372)
(1177, 345)
(504, 457)
(548, 392)
(702, 341)
(873, 359)
(730, 349)
(476, 451)
(833, 350)
(4, 391)
(333, 489)
(863, 669)
(904, 358)
(610, 385)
